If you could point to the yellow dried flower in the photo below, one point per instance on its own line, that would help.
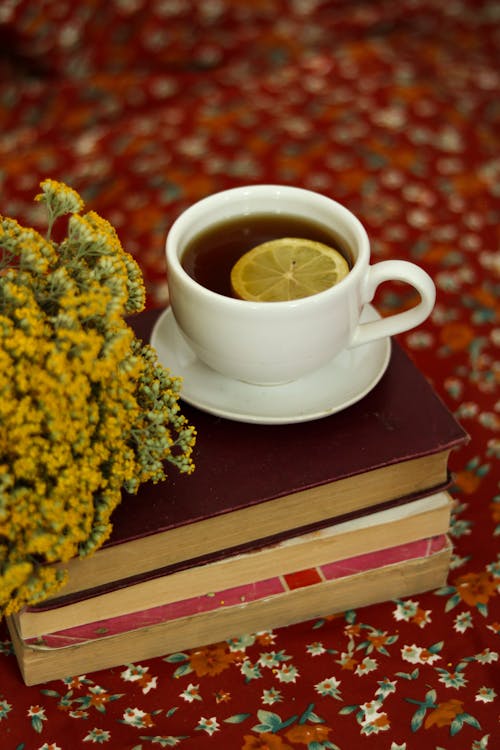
(86, 410)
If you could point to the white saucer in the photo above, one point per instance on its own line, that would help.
(335, 386)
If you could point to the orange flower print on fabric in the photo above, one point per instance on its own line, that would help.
(457, 336)
(75, 683)
(265, 741)
(353, 630)
(437, 253)
(443, 715)
(421, 617)
(475, 588)
(468, 481)
(265, 639)
(378, 640)
(211, 660)
(307, 734)
(136, 717)
(495, 512)
(485, 298)
(222, 696)
(382, 721)
(348, 662)
(99, 699)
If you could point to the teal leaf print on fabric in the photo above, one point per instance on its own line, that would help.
(448, 713)
(97, 698)
(481, 744)
(175, 658)
(136, 717)
(345, 710)
(376, 640)
(210, 726)
(409, 675)
(495, 510)
(37, 716)
(271, 722)
(98, 736)
(486, 695)
(5, 708)
(386, 687)
(419, 715)
(329, 687)
(271, 696)
(250, 671)
(460, 720)
(454, 679)
(6, 648)
(191, 693)
(183, 670)
(237, 718)
(182, 659)
(163, 741)
(309, 715)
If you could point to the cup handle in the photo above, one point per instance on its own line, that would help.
(395, 270)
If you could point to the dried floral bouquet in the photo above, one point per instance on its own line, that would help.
(86, 410)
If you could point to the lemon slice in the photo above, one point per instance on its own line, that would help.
(285, 269)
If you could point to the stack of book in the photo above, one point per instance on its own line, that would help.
(278, 524)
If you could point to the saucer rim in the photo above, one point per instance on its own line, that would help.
(254, 417)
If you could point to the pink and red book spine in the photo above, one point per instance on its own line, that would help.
(243, 594)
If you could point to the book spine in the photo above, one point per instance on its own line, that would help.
(241, 595)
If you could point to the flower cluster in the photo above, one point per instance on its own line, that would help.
(86, 410)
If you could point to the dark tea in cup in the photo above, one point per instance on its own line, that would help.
(209, 256)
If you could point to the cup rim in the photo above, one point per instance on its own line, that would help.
(173, 257)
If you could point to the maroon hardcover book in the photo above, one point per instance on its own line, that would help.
(240, 466)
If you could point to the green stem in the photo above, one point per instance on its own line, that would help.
(50, 222)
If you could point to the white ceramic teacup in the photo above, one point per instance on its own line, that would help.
(270, 343)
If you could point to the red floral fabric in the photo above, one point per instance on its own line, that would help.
(144, 106)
